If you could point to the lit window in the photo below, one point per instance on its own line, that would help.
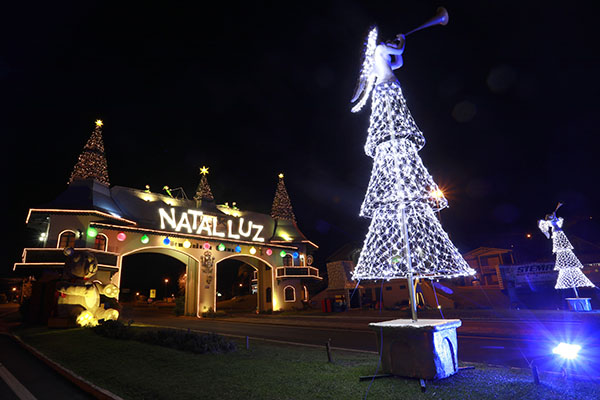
(100, 242)
(289, 294)
(66, 239)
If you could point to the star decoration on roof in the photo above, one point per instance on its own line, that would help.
(204, 170)
(99, 122)
(281, 176)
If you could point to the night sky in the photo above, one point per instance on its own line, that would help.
(506, 95)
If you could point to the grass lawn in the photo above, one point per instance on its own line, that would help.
(136, 370)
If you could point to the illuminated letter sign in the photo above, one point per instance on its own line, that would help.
(207, 225)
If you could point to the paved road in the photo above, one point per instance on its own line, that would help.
(26, 377)
(502, 342)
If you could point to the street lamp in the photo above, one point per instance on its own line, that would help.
(166, 282)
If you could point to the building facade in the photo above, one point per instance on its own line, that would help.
(114, 222)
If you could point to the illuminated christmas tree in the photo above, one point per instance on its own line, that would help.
(282, 206)
(92, 160)
(405, 238)
(568, 265)
(203, 192)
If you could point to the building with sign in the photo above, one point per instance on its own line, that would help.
(114, 222)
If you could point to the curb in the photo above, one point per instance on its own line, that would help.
(83, 384)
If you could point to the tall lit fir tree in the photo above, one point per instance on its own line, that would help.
(203, 192)
(405, 239)
(92, 160)
(282, 206)
(567, 264)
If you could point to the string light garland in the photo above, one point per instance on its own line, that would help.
(282, 206)
(91, 163)
(405, 238)
(367, 78)
(567, 264)
(203, 191)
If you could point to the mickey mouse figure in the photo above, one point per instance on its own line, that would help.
(80, 299)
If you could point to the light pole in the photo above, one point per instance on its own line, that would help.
(166, 282)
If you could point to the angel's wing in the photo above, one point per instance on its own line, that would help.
(545, 227)
(366, 78)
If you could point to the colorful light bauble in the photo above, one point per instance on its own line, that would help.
(238, 249)
(269, 252)
(221, 247)
(187, 244)
(282, 253)
(166, 241)
(92, 232)
(121, 236)
(252, 250)
(145, 239)
(295, 254)
(206, 246)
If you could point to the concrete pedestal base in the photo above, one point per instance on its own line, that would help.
(579, 304)
(426, 349)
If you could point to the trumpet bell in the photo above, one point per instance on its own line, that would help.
(440, 18)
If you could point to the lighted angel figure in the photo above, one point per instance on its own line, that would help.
(567, 264)
(399, 180)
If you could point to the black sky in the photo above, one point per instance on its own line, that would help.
(506, 95)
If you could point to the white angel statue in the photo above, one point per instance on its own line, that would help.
(567, 264)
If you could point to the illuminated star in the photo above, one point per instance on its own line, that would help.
(204, 170)
(281, 176)
(99, 122)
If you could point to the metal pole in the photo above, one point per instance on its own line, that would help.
(576, 294)
(409, 278)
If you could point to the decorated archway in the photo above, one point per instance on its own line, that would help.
(198, 232)
(265, 279)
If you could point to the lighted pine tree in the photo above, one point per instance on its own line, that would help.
(92, 160)
(405, 238)
(282, 206)
(567, 264)
(203, 192)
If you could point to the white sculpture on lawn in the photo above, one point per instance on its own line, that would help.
(405, 238)
(568, 265)
(79, 299)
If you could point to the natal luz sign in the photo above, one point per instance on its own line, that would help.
(194, 221)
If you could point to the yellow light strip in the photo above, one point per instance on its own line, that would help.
(25, 250)
(172, 234)
(56, 210)
(57, 264)
(301, 241)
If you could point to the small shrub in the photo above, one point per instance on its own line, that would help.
(213, 314)
(113, 330)
(187, 341)
(176, 339)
